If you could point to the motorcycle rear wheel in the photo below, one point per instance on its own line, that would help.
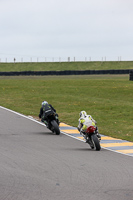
(96, 142)
(56, 127)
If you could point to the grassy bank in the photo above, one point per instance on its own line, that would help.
(107, 98)
(51, 66)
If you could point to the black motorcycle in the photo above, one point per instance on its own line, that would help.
(53, 122)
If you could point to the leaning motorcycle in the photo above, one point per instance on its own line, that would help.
(92, 139)
(53, 122)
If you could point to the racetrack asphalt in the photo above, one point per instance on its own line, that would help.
(35, 164)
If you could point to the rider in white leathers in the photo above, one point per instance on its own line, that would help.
(84, 122)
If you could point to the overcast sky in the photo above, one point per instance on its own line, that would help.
(84, 29)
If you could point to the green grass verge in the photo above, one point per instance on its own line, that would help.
(109, 99)
(51, 66)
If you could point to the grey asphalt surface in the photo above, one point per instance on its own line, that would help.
(35, 164)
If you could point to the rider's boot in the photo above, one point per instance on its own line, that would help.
(97, 133)
(45, 122)
(84, 135)
(99, 136)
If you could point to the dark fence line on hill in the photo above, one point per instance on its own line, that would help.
(131, 75)
(67, 72)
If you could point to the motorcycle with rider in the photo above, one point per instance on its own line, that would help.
(49, 116)
(88, 129)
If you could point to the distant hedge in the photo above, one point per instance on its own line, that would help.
(131, 75)
(67, 72)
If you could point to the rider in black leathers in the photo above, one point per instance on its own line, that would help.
(46, 106)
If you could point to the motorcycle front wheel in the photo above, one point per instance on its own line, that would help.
(96, 142)
(56, 127)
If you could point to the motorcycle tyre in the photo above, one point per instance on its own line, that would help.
(96, 142)
(56, 127)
